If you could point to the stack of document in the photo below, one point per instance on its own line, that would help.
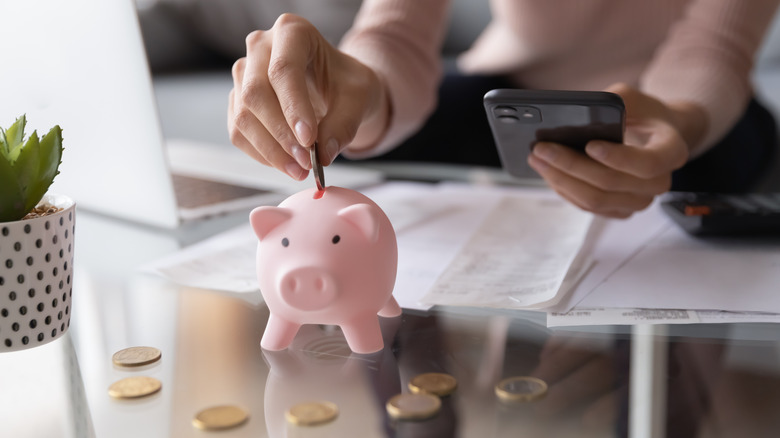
(525, 248)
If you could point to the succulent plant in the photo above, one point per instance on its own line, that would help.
(27, 169)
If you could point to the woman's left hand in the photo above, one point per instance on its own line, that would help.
(617, 180)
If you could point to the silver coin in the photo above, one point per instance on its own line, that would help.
(316, 167)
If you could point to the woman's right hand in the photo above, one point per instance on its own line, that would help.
(294, 88)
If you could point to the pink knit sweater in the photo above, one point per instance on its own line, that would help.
(699, 51)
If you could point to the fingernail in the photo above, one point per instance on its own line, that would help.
(304, 132)
(545, 151)
(332, 148)
(295, 171)
(302, 156)
(596, 150)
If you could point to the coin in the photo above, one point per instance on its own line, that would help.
(136, 356)
(220, 418)
(433, 383)
(312, 413)
(521, 389)
(134, 387)
(316, 167)
(413, 406)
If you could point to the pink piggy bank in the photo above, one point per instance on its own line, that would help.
(326, 257)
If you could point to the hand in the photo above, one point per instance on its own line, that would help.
(617, 180)
(293, 88)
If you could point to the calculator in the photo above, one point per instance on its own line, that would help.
(719, 214)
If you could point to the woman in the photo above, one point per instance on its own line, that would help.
(681, 66)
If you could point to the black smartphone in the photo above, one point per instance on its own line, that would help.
(521, 118)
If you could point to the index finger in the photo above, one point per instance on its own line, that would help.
(295, 51)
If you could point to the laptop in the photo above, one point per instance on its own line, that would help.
(81, 64)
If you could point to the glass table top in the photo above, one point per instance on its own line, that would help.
(716, 380)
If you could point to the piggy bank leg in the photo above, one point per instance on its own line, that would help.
(363, 334)
(390, 309)
(279, 333)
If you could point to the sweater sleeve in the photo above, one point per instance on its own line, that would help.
(401, 41)
(707, 59)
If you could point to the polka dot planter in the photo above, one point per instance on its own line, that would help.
(36, 277)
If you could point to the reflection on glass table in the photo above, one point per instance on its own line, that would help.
(699, 381)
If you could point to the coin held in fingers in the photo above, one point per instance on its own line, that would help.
(316, 167)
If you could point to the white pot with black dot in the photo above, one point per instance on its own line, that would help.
(36, 277)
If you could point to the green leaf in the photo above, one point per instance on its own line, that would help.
(12, 198)
(15, 134)
(14, 137)
(4, 146)
(51, 158)
(26, 169)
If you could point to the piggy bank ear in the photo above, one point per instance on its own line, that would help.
(264, 219)
(364, 217)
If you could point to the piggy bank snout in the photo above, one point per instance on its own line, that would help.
(307, 288)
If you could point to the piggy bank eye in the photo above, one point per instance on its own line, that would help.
(336, 239)
(285, 242)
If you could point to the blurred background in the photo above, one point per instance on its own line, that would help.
(192, 44)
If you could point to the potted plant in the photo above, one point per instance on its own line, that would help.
(36, 240)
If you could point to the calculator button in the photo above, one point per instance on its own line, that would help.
(697, 210)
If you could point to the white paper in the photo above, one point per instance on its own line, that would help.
(518, 258)
(224, 262)
(610, 243)
(610, 316)
(615, 316)
(674, 270)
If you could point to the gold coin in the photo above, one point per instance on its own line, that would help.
(312, 413)
(521, 389)
(134, 387)
(433, 383)
(136, 356)
(220, 418)
(413, 406)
